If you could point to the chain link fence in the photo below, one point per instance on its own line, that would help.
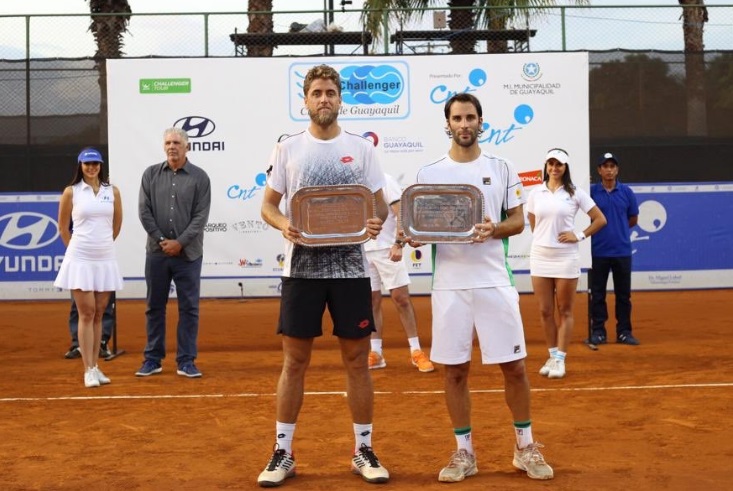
(50, 95)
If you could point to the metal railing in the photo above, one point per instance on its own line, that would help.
(204, 34)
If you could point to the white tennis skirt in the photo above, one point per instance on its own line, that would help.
(554, 262)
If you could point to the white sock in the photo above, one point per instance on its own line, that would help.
(284, 434)
(553, 352)
(524, 436)
(463, 439)
(376, 345)
(362, 435)
(560, 355)
(414, 343)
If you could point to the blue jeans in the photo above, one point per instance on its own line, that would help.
(620, 267)
(160, 270)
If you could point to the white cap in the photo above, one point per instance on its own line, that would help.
(558, 154)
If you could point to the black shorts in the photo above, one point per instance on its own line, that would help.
(303, 302)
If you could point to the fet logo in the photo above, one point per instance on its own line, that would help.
(196, 126)
(531, 178)
(27, 230)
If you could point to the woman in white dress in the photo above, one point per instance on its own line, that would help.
(554, 260)
(92, 209)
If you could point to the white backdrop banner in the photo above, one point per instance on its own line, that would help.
(235, 109)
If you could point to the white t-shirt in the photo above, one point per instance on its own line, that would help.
(302, 160)
(465, 266)
(392, 194)
(555, 213)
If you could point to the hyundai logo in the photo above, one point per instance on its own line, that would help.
(196, 126)
(27, 230)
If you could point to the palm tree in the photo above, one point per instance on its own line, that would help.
(108, 31)
(260, 23)
(694, 17)
(461, 16)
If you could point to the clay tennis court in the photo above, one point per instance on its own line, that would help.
(655, 416)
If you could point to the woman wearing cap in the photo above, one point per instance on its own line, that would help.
(554, 260)
(89, 268)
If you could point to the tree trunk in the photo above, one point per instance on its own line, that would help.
(108, 31)
(693, 24)
(461, 20)
(260, 23)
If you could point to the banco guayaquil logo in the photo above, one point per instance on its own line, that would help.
(368, 91)
(498, 128)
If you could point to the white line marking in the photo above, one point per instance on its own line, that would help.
(343, 394)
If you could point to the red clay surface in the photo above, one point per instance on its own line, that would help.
(655, 416)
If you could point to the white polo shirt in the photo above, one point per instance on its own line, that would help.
(479, 265)
(555, 213)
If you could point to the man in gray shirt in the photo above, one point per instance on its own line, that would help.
(175, 197)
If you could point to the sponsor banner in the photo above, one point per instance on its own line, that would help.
(531, 102)
(683, 229)
(31, 249)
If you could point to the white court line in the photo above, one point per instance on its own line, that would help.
(343, 394)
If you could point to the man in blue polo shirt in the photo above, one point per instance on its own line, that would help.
(611, 251)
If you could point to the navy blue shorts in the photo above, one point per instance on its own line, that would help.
(304, 301)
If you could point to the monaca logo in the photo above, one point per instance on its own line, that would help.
(493, 133)
(369, 84)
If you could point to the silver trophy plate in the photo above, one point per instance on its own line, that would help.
(435, 213)
(332, 215)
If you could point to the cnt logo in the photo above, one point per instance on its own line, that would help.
(492, 133)
(244, 192)
(27, 230)
(197, 127)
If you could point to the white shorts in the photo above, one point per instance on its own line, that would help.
(492, 312)
(383, 272)
(554, 262)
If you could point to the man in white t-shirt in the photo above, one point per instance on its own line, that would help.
(473, 291)
(386, 269)
(316, 278)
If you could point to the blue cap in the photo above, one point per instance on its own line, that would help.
(606, 157)
(90, 155)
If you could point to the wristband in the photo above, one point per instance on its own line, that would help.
(580, 236)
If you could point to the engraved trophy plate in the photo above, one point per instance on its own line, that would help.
(435, 213)
(332, 215)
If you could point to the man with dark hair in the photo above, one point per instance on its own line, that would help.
(473, 292)
(611, 252)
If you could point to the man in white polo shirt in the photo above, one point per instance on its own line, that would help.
(473, 291)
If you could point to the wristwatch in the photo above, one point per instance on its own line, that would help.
(400, 243)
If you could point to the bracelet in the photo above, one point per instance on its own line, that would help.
(580, 236)
(399, 243)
